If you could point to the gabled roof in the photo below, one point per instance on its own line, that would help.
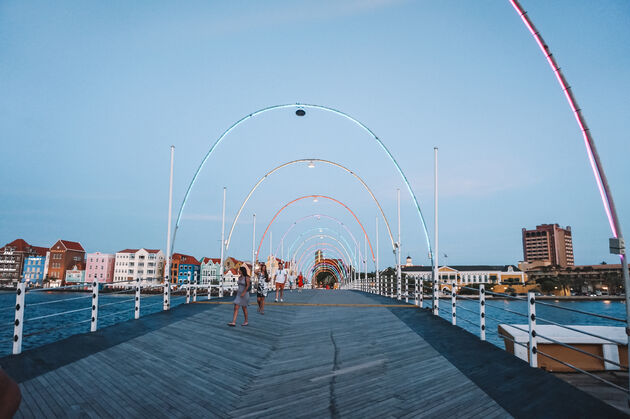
(71, 245)
(206, 260)
(185, 259)
(128, 251)
(153, 251)
(20, 245)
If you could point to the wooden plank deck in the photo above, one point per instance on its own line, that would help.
(320, 354)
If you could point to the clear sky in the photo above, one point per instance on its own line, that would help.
(94, 93)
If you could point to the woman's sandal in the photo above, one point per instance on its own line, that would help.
(231, 324)
(245, 324)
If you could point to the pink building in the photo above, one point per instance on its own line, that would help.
(99, 266)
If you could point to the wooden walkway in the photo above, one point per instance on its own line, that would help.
(320, 354)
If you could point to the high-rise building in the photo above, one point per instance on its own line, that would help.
(548, 243)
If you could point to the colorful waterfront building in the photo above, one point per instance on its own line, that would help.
(230, 279)
(144, 264)
(76, 275)
(12, 257)
(36, 268)
(64, 254)
(210, 268)
(184, 268)
(99, 267)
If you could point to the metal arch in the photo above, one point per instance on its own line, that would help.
(326, 245)
(299, 261)
(315, 196)
(290, 163)
(325, 216)
(325, 269)
(309, 106)
(328, 237)
(593, 156)
(309, 263)
(304, 263)
(313, 265)
(326, 229)
(316, 267)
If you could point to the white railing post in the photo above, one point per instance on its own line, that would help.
(94, 322)
(531, 316)
(19, 317)
(415, 291)
(209, 289)
(406, 288)
(436, 296)
(194, 296)
(421, 290)
(482, 312)
(454, 303)
(188, 291)
(220, 287)
(167, 294)
(137, 308)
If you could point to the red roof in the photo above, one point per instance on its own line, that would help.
(187, 259)
(71, 245)
(20, 245)
(41, 251)
(152, 250)
(128, 251)
(214, 260)
(234, 272)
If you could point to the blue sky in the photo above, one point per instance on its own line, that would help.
(94, 93)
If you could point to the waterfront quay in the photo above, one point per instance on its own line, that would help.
(318, 354)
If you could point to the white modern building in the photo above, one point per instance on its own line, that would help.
(144, 264)
(464, 275)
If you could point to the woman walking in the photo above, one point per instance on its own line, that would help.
(261, 288)
(242, 296)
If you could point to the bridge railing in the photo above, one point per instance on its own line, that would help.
(88, 307)
(486, 314)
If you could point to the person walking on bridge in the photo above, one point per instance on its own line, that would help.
(242, 296)
(261, 288)
(281, 278)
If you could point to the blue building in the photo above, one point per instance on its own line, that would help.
(185, 267)
(34, 270)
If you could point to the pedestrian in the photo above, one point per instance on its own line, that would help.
(261, 288)
(291, 280)
(242, 296)
(300, 282)
(281, 278)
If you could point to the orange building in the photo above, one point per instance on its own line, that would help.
(63, 256)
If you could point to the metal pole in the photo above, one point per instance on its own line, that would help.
(482, 312)
(167, 268)
(19, 317)
(194, 297)
(531, 317)
(377, 273)
(222, 245)
(398, 270)
(365, 279)
(436, 255)
(253, 252)
(421, 290)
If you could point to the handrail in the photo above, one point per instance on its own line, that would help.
(603, 316)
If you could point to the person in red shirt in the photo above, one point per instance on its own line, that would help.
(300, 282)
